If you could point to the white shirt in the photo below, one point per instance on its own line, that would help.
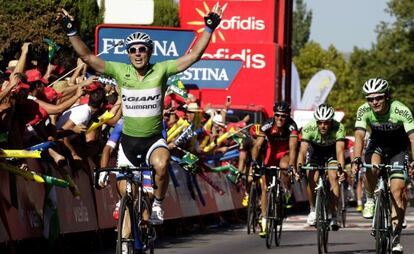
(79, 115)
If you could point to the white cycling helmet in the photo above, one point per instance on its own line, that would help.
(375, 85)
(324, 112)
(139, 38)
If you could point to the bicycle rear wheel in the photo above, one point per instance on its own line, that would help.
(321, 222)
(270, 219)
(124, 210)
(252, 210)
(380, 228)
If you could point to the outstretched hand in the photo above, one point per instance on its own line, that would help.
(67, 22)
(213, 19)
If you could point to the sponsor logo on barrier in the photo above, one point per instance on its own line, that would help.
(34, 218)
(81, 213)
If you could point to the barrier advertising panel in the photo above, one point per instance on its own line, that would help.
(77, 215)
(250, 21)
(23, 221)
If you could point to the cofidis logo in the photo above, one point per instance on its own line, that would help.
(229, 22)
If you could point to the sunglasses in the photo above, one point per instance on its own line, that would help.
(133, 50)
(280, 115)
(322, 122)
(376, 98)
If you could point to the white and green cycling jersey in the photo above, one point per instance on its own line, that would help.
(142, 100)
(311, 134)
(392, 127)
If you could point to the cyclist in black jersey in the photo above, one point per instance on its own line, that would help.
(392, 135)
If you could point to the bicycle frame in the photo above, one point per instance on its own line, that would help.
(381, 221)
(321, 205)
(136, 206)
(275, 210)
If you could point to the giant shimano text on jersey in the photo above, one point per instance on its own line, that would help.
(142, 100)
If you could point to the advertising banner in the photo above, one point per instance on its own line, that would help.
(250, 21)
(77, 214)
(168, 44)
(255, 83)
(3, 233)
(303, 117)
(106, 200)
(317, 89)
(23, 221)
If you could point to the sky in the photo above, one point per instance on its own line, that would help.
(346, 23)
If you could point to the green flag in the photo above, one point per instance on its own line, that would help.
(177, 87)
(52, 47)
(51, 225)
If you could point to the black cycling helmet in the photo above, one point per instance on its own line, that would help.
(282, 107)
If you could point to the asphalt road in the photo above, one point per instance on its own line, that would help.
(297, 237)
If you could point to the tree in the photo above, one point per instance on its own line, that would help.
(312, 59)
(392, 56)
(166, 13)
(32, 20)
(302, 21)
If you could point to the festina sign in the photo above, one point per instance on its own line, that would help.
(169, 44)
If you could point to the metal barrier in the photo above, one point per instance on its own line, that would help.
(93, 210)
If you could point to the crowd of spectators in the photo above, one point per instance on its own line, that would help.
(38, 106)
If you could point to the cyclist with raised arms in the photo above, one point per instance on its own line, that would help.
(323, 144)
(391, 125)
(142, 128)
(280, 134)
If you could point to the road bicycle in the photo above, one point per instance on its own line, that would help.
(135, 204)
(322, 205)
(381, 222)
(275, 213)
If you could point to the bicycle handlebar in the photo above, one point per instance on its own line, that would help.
(128, 171)
(381, 166)
(321, 167)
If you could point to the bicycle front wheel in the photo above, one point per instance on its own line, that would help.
(380, 228)
(321, 222)
(146, 231)
(252, 210)
(279, 216)
(128, 240)
(270, 218)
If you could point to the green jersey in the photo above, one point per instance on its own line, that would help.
(392, 127)
(311, 134)
(142, 100)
